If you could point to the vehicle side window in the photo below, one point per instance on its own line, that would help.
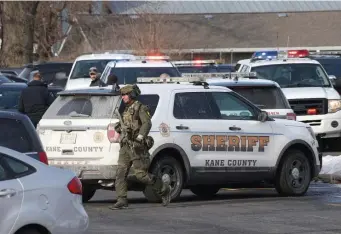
(195, 105)
(232, 107)
(3, 172)
(150, 100)
(17, 167)
(14, 135)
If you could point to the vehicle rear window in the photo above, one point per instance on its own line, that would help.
(14, 135)
(9, 99)
(82, 106)
(263, 97)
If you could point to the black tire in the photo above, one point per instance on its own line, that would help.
(171, 166)
(294, 174)
(29, 231)
(205, 191)
(88, 193)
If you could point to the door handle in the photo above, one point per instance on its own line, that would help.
(182, 127)
(234, 128)
(7, 193)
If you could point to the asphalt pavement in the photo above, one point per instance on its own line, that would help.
(232, 211)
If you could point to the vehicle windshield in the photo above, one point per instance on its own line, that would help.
(128, 75)
(4, 79)
(267, 97)
(9, 98)
(294, 75)
(81, 68)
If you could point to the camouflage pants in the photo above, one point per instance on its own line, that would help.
(140, 164)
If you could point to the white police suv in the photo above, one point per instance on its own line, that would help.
(265, 94)
(307, 87)
(197, 142)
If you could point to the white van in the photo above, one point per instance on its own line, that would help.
(79, 75)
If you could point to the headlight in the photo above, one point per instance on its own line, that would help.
(334, 105)
(311, 131)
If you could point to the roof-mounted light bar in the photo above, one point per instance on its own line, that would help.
(228, 75)
(167, 80)
(152, 57)
(193, 62)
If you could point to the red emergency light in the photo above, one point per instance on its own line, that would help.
(298, 53)
(311, 111)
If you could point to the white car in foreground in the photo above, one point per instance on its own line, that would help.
(38, 199)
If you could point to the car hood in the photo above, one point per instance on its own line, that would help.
(78, 83)
(310, 92)
(292, 123)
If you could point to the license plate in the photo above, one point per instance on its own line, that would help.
(68, 138)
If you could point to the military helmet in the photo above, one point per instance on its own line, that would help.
(133, 90)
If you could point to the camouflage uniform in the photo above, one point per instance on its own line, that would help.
(134, 151)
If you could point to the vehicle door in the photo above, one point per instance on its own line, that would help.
(11, 196)
(249, 143)
(196, 127)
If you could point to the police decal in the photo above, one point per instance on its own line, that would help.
(230, 163)
(164, 130)
(229, 143)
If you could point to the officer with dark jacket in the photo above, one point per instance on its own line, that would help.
(35, 99)
(95, 77)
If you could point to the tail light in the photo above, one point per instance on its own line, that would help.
(43, 157)
(75, 186)
(113, 136)
(291, 116)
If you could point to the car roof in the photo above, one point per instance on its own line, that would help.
(13, 115)
(145, 88)
(141, 63)
(14, 85)
(283, 61)
(241, 82)
(104, 56)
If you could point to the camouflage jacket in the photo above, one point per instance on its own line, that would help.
(137, 120)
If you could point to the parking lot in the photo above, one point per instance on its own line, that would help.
(232, 211)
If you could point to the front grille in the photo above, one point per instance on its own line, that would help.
(312, 122)
(300, 106)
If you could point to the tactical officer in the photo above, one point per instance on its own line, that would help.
(134, 127)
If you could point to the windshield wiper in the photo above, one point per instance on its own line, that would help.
(79, 115)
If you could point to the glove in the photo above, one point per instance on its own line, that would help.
(139, 138)
(117, 127)
(138, 143)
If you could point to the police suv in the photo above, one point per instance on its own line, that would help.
(142, 66)
(265, 94)
(307, 87)
(196, 139)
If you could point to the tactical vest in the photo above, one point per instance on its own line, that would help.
(131, 118)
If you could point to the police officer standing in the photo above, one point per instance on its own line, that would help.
(134, 127)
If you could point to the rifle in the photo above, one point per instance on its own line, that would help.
(124, 130)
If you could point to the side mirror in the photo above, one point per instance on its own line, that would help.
(262, 116)
(61, 76)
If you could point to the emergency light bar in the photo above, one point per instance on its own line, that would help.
(270, 54)
(193, 62)
(167, 80)
(230, 75)
(152, 57)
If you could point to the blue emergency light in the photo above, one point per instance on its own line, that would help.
(269, 54)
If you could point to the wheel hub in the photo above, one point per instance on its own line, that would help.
(295, 173)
